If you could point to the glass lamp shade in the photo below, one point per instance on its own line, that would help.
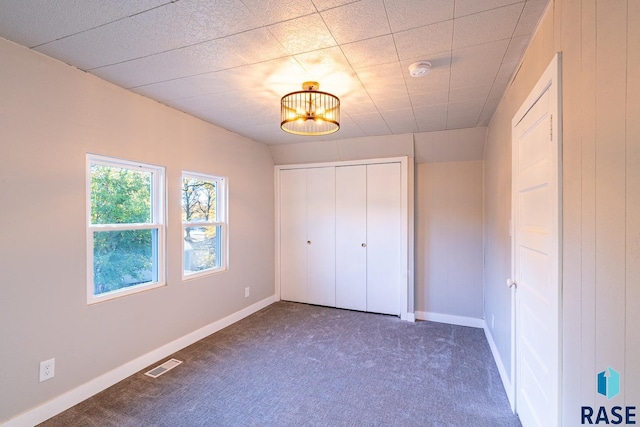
(310, 112)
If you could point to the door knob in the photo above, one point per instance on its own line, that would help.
(364, 245)
(308, 242)
(511, 283)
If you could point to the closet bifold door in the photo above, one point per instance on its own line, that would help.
(384, 238)
(321, 232)
(293, 235)
(351, 237)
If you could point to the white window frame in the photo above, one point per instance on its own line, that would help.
(158, 206)
(222, 221)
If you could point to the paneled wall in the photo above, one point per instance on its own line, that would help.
(601, 206)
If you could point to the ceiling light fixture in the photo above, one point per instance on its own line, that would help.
(310, 112)
(420, 68)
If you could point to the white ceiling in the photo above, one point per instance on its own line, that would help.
(230, 61)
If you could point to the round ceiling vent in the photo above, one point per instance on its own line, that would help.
(420, 68)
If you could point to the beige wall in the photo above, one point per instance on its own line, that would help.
(50, 116)
(448, 244)
(601, 190)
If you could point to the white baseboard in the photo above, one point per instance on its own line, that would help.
(450, 319)
(73, 397)
(501, 369)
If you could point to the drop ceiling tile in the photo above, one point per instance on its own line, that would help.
(193, 60)
(158, 30)
(357, 102)
(435, 97)
(502, 79)
(371, 123)
(423, 41)
(385, 104)
(431, 115)
(495, 24)
(357, 21)
(406, 14)
(281, 10)
(187, 87)
(383, 81)
(321, 63)
(464, 114)
(31, 23)
(303, 34)
(516, 48)
(470, 7)
(330, 4)
(531, 15)
(366, 53)
(400, 121)
(477, 65)
(469, 93)
(488, 111)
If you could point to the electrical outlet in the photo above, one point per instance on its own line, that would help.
(47, 369)
(246, 292)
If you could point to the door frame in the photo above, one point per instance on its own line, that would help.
(551, 79)
(406, 293)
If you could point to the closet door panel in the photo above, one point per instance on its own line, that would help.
(321, 232)
(384, 219)
(293, 235)
(351, 237)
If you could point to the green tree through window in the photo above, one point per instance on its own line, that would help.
(123, 227)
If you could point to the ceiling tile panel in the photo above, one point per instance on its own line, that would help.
(495, 24)
(431, 114)
(516, 48)
(400, 121)
(357, 21)
(31, 23)
(371, 123)
(170, 27)
(470, 7)
(330, 4)
(174, 64)
(406, 14)
(282, 10)
(365, 53)
(531, 15)
(469, 93)
(423, 41)
(225, 60)
(435, 97)
(477, 65)
(303, 34)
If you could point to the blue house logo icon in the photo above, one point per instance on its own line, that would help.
(609, 383)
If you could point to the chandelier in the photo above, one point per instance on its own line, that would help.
(310, 112)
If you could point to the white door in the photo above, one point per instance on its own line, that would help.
(351, 237)
(384, 238)
(536, 254)
(293, 235)
(321, 232)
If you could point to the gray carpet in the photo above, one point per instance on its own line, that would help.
(300, 365)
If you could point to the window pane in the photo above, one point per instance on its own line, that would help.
(202, 248)
(120, 195)
(122, 259)
(199, 199)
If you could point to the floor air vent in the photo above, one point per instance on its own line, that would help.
(166, 366)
